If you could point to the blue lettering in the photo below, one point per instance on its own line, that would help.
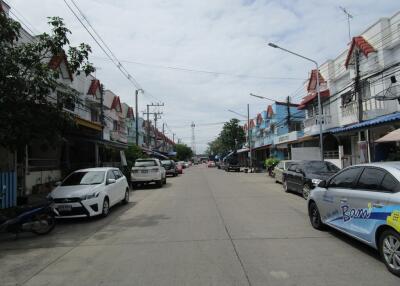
(349, 214)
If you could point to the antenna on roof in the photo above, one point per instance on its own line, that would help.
(349, 16)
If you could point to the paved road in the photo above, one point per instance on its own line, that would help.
(206, 227)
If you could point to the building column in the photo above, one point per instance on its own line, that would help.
(96, 154)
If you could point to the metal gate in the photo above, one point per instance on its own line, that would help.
(8, 189)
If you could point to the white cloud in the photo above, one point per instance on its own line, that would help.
(220, 35)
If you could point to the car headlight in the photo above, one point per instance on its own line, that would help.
(315, 182)
(89, 196)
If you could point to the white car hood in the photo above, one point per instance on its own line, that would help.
(73, 191)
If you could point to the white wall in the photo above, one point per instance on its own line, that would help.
(305, 153)
(41, 177)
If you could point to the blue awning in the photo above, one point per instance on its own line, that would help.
(378, 120)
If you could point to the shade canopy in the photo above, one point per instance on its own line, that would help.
(390, 137)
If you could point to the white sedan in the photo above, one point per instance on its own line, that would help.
(90, 192)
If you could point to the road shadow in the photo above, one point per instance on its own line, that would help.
(142, 220)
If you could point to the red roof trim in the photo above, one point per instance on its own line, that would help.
(312, 82)
(311, 97)
(56, 61)
(252, 123)
(94, 86)
(116, 102)
(259, 119)
(270, 111)
(362, 45)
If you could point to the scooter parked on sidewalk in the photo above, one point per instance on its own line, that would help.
(39, 220)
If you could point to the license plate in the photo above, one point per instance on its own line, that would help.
(64, 208)
(145, 171)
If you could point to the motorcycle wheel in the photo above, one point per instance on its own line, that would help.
(46, 228)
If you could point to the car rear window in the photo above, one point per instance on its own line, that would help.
(166, 162)
(389, 184)
(145, 163)
(313, 167)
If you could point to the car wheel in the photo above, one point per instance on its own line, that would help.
(134, 185)
(389, 248)
(106, 207)
(126, 197)
(306, 191)
(159, 183)
(285, 186)
(315, 217)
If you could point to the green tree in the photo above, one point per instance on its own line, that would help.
(29, 108)
(183, 152)
(232, 135)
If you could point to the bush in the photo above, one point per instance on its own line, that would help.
(271, 162)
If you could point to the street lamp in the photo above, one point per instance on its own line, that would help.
(262, 97)
(248, 132)
(137, 115)
(318, 93)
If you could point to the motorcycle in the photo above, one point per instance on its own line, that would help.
(39, 220)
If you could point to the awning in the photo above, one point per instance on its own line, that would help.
(89, 124)
(390, 137)
(242, 150)
(376, 121)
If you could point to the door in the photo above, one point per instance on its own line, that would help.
(365, 203)
(111, 188)
(119, 188)
(289, 177)
(336, 195)
(298, 179)
(279, 171)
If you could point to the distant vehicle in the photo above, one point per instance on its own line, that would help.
(280, 168)
(302, 176)
(231, 162)
(147, 171)
(210, 164)
(182, 163)
(363, 201)
(170, 167)
(179, 168)
(90, 192)
(186, 164)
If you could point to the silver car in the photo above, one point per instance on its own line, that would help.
(280, 168)
(363, 201)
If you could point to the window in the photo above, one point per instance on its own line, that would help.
(280, 165)
(84, 178)
(371, 179)
(293, 167)
(145, 163)
(110, 175)
(345, 179)
(347, 97)
(117, 174)
(389, 184)
(115, 125)
(94, 115)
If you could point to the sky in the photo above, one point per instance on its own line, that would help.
(229, 38)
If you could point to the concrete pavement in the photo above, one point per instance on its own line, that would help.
(207, 227)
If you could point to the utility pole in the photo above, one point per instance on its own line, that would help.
(137, 116)
(288, 113)
(148, 120)
(357, 86)
(163, 133)
(173, 137)
(349, 16)
(193, 138)
(248, 137)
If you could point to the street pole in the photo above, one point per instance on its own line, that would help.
(137, 118)
(148, 127)
(319, 118)
(248, 137)
(163, 133)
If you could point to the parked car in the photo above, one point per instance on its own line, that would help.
(170, 167)
(363, 201)
(182, 163)
(280, 168)
(179, 168)
(147, 171)
(186, 164)
(302, 176)
(210, 164)
(90, 192)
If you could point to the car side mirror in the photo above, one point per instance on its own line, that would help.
(110, 181)
(323, 184)
(58, 183)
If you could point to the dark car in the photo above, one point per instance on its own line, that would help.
(170, 167)
(302, 176)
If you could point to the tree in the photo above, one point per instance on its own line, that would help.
(232, 134)
(183, 152)
(28, 110)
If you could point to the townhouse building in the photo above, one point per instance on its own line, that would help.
(359, 93)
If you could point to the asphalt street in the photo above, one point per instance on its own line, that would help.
(206, 227)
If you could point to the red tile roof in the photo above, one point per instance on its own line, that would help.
(56, 61)
(116, 102)
(252, 123)
(94, 86)
(259, 119)
(312, 96)
(362, 45)
(270, 111)
(312, 82)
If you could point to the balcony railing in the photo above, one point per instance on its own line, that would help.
(371, 108)
(326, 119)
(119, 136)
